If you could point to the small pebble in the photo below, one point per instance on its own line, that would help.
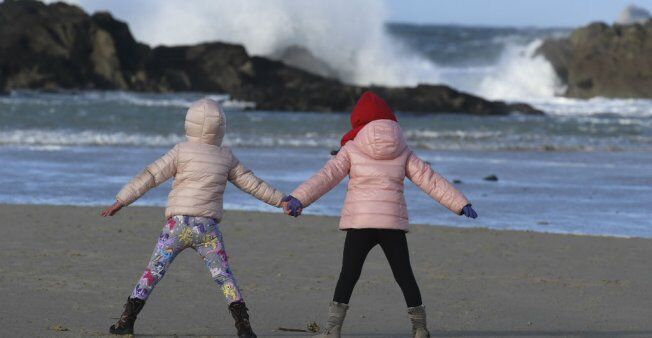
(492, 178)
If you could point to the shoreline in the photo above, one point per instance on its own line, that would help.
(68, 268)
(262, 213)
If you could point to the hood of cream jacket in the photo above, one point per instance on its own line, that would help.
(201, 168)
(205, 122)
(377, 162)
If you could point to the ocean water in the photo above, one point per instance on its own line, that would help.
(585, 167)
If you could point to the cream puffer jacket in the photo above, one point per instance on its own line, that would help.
(201, 168)
(377, 162)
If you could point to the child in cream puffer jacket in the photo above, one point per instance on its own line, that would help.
(375, 156)
(201, 168)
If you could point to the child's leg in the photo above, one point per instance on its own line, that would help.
(395, 246)
(357, 245)
(211, 248)
(167, 248)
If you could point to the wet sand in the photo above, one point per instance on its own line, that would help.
(65, 271)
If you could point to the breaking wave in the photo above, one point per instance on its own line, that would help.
(350, 36)
(507, 140)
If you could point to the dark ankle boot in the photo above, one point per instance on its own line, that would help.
(125, 324)
(239, 312)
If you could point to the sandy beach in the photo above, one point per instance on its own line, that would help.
(65, 271)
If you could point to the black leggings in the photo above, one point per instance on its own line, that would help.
(357, 245)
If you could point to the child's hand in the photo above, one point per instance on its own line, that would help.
(469, 212)
(112, 210)
(292, 206)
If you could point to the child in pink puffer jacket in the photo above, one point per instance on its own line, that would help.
(201, 168)
(375, 156)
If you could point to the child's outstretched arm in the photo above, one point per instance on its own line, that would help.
(333, 172)
(245, 179)
(153, 175)
(435, 185)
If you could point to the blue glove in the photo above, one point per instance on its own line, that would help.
(469, 212)
(294, 205)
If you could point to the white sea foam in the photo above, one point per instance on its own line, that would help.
(41, 139)
(119, 97)
(451, 134)
(56, 140)
(596, 106)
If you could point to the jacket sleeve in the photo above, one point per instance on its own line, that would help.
(247, 181)
(325, 179)
(434, 184)
(153, 175)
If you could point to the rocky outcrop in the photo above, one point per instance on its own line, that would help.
(603, 60)
(59, 46)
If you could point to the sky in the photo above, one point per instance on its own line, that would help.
(541, 13)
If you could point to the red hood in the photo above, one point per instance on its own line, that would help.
(370, 107)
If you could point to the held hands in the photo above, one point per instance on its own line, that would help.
(112, 210)
(292, 206)
(469, 212)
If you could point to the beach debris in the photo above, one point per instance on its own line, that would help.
(75, 254)
(616, 282)
(457, 181)
(59, 327)
(491, 178)
(287, 329)
(312, 327)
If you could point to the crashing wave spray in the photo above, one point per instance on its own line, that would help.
(520, 74)
(350, 36)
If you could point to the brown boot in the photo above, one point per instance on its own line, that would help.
(239, 312)
(125, 324)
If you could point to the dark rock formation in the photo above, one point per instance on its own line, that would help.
(41, 46)
(59, 46)
(603, 60)
(302, 58)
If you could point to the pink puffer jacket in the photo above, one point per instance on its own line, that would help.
(377, 162)
(201, 168)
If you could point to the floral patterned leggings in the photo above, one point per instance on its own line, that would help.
(199, 233)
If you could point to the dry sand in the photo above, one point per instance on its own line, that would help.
(66, 268)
